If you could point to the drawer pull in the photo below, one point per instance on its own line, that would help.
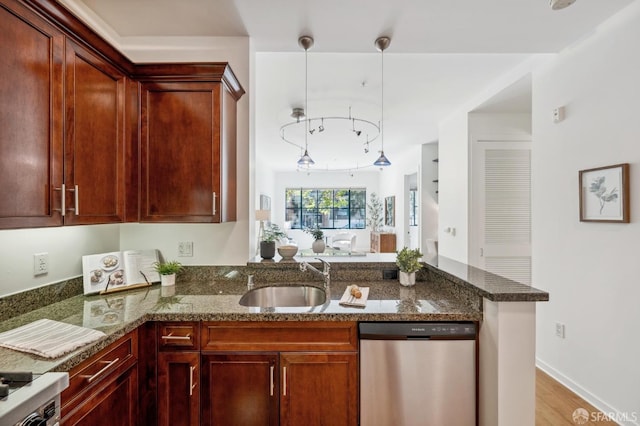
(271, 380)
(99, 373)
(284, 381)
(192, 385)
(172, 337)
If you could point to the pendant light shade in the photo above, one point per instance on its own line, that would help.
(382, 160)
(381, 44)
(306, 160)
(306, 42)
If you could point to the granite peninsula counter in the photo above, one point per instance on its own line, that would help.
(217, 300)
(446, 290)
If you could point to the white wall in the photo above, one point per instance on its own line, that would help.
(65, 246)
(487, 125)
(365, 179)
(392, 183)
(591, 270)
(454, 139)
(429, 198)
(453, 147)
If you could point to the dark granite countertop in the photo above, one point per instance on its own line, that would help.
(485, 284)
(217, 300)
(446, 291)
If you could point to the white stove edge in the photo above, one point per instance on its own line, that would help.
(28, 398)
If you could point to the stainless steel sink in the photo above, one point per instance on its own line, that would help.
(284, 296)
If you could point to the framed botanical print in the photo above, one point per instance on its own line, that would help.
(604, 194)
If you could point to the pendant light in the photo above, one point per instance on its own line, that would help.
(381, 44)
(305, 42)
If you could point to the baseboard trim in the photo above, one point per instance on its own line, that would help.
(580, 391)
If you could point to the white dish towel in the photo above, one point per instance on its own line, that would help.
(48, 338)
(349, 300)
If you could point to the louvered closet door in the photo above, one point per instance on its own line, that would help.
(504, 208)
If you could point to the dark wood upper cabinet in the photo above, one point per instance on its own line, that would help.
(94, 139)
(188, 144)
(87, 137)
(31, 119)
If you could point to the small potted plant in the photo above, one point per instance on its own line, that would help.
(168, 271)
(318, 245)
(271, 234)
(408, 263)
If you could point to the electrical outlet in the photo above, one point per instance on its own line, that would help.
(40, 264)
(560, 330)
(185, 249)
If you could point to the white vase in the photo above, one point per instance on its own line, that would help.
(168, 279)
(318, 246)
(407, 278)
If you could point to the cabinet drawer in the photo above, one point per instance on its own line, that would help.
(178, 335)
(110, 362)
(278, 336)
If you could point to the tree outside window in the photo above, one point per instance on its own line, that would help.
(341, 208)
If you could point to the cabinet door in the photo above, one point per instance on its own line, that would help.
(112, 403)
(240, 389)
(180, 152)
(319, 389)
(178, 388)
(94, 139)
(31, 114)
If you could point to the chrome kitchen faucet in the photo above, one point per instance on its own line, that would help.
(325, 274)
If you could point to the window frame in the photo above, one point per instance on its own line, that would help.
(326, 208)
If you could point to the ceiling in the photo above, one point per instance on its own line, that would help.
(442, 53)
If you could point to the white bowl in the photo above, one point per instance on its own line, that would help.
(287, 252)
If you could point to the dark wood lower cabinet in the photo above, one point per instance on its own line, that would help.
(179, 388)
(319, 389)
(255, 374)
(240, 389)
(294, 388)
(103, 390)
(114, 403)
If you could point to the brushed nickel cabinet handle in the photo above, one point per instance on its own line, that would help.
(63, 192)
(271, 380)
(77, 197)
(284, 381)
(192, 384)
(214, 204)
(99, 373)
(76, 192)
(172, 337)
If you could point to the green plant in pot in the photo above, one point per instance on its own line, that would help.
(408, 262)
(168, 271)
(272, 233)
(318, 245)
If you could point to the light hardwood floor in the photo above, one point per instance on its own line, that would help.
(555, 404)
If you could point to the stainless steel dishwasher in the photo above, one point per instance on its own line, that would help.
(417, 374)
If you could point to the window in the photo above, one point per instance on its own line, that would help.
(326, 208)
(413, 207)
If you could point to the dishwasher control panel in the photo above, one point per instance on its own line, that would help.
(417, 330)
